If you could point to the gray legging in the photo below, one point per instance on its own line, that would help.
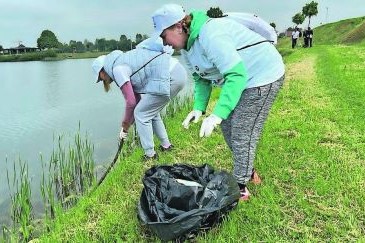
(242, 129)
(147, 112)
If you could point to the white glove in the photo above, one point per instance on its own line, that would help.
(123, 134)
(192, 116)
(209, 124)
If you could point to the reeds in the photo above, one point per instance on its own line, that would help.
(20, 195)
(68, 174)
(71, 171)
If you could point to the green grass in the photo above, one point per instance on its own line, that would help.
(311, 159)
(31, 56)
(49, 55)
(341, 32)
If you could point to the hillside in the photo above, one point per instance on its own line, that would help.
(347, 32)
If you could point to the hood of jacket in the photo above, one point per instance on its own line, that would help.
(199, 19)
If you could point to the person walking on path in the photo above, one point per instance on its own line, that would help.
(310, 36)
(223, 52)
(148, 78)
(294, 37)
(305, 37)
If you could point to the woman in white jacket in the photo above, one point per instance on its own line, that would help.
(148, 77)
(223, 52)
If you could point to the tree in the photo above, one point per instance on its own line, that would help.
(47, 40)
(298, 19)
(88, 45)
(112, 45)
(139, 38)
(72, 45)
(123, 38)
(309, 10)
(80, 46)
(273, 25)
(1, 48)
(215, 12)
(124, 43)
(100, 44)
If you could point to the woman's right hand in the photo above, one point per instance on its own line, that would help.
(123, 134)
(193, 116)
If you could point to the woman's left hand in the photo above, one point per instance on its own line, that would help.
(209, 124)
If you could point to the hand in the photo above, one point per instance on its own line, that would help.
(123, 134)
(209, 124)
(192, 116)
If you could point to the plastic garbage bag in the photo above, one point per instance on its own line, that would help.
(179, 200)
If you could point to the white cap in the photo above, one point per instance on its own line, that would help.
(97, 65)
(166, 16)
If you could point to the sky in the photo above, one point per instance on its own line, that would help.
(22, 21)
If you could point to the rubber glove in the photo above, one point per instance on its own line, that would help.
(192, 116)
(123, 134)
(209, 124)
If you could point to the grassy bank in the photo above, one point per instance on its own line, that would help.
(49, 55)
(31, 56)
(311, 159)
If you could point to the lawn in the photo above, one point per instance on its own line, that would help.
(311, 158)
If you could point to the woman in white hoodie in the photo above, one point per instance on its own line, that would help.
(148, 77)
(223, 52)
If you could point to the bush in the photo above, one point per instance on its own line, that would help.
(31, 56)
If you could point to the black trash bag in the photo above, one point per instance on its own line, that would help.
(177, 201)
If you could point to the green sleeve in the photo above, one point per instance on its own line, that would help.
(202, 91)
(235, 81)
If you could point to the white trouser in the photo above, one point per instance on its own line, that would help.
(147, 112)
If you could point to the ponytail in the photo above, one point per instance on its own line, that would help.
(106, 85)
(186, 22)
(107, 82)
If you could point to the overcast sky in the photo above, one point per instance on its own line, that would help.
(24, 20)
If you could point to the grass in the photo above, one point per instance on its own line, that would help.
(339, 32)
(21, 206)
(31, 56)
(49, 55)
(311, 158)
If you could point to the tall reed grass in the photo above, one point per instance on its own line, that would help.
(21, 206)
(67, 175)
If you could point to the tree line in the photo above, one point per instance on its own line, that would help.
(48, 40)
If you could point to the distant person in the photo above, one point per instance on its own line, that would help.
(149, 78)
(310, 36)
(294, 37)
(305, 37)
(248, 68)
